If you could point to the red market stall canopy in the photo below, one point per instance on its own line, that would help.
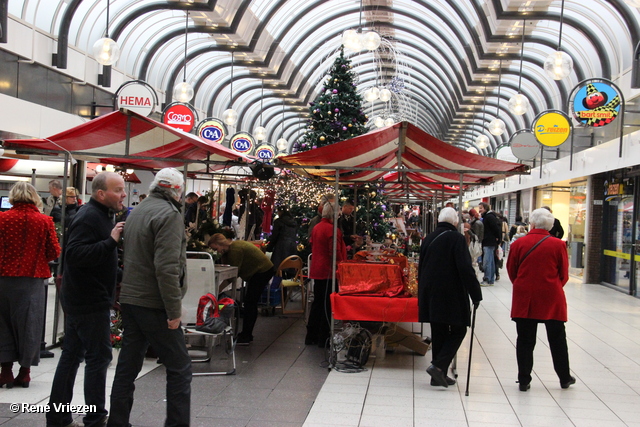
(402, 148)
(128, 139)
(414, 184)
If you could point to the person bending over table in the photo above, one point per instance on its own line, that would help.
(254, 268)
(318, 328)
(446, 279)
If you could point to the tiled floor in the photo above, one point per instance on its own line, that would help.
(281, 382)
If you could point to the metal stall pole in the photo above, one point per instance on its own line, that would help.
(56, 310)
(333, 268)
(460, 223)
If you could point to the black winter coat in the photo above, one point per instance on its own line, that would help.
(283, 241)
(446, 278)
(492, 229)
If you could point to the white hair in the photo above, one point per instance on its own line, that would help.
(327, 210)
(448, 215)
(541, 218)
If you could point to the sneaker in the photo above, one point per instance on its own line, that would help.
(484, 284)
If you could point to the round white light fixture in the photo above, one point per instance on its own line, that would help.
(183, 92)
(389, 121)
(473, 150)
(385, 95)
(371, 94)
(371, 40)
(558, 65)
(282, 144)
(130, 171)
(260, 133)
(106, 51)
(497, 127)
(482, 141)
(110, 168)
(230, 116)
(518, 104)
(378, 122)
(351, 40)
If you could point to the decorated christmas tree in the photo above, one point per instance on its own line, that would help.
(372, 211)
(337, 112)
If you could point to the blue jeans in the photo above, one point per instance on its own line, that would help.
(143, 326)
(489, 263)
(87, 337)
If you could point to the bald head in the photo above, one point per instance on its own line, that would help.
(107, 188)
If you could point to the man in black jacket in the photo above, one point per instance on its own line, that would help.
(90, 268)
(446, 280)
(490, 241)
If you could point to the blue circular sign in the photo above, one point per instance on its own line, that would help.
(242, 142)
(265, 152)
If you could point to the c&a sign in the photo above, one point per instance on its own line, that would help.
(242, 142)
(212, 130)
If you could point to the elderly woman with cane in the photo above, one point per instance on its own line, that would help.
(538, 268)
(446, 280)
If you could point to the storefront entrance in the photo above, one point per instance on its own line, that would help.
(621, 236)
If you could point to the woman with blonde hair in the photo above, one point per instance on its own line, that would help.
(29, 242)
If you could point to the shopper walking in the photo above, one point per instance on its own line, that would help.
(538, 268)
(282, 243)
(29, 242)
(254, 268)
(90, 269)
(446, 280)
(151, 300)
(490, 241)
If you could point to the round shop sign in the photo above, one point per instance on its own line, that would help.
(242, 142)
(524, 145)
(212, 130)
(265, 152)
(180, 116)
(136, 96)
(596, 104)
(551, 129)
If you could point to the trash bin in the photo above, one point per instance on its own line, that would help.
(577, 249)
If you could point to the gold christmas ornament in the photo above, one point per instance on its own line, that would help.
(349, 125)
(300, 247)
(328, 112)
(322, 138)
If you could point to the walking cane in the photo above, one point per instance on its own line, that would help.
(473, 327)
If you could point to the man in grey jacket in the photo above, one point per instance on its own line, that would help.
(153, 285)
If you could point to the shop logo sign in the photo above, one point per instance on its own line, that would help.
(136, 96)
(596, 104)
(212, 130)
(265, 152)
(524, 145)
(242, 142)
(551, 129)
(179, 116)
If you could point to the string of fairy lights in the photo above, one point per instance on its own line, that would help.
(293, 189)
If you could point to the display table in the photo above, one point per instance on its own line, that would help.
(225, 277)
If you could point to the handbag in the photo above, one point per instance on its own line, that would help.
(214, 323)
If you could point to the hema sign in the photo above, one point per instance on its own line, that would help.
(136, 96)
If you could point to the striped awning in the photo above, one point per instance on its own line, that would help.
(404, 149)
(128, 139)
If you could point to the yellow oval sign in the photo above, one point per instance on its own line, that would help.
(551, 129)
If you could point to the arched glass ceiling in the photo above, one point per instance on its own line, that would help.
(449, 49)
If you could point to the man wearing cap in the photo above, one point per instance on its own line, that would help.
(90, 268)
(151, 300)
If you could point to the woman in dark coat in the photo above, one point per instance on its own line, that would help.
(446, 280)
(283, 237)
(538, 296)
(29, 242)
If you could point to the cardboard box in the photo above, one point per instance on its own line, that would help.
(398, 335)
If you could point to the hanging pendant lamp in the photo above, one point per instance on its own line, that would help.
(106, 51)
(519, 104)
(559, 64)
(497, 126)
(230, 116)
(183, 92)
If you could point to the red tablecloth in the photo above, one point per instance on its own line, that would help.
(362, 278)
(374, 309)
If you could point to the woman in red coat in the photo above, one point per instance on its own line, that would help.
(29, 242)
(321, 271)
(538, 274)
